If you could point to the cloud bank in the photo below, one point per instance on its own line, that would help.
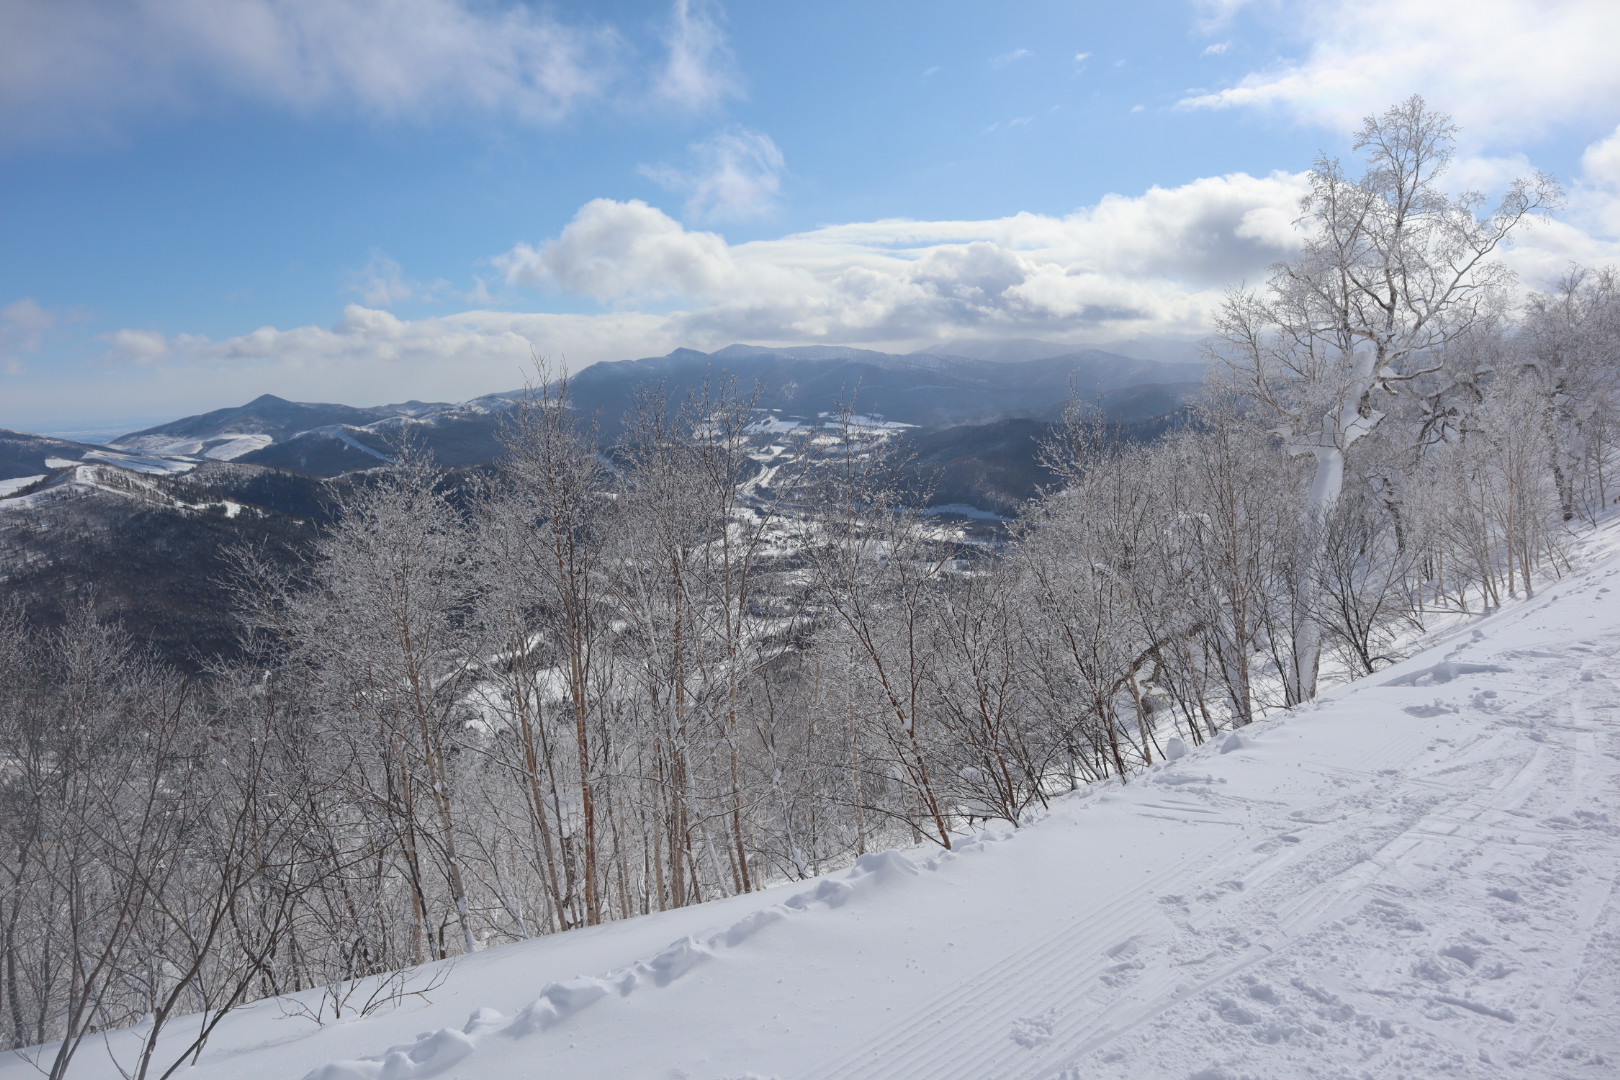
(1151, 263)
(1154, 263)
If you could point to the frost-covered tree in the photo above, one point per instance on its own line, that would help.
(1392, 270)
(1571, 354)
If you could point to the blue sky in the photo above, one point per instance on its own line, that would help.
(374, 200)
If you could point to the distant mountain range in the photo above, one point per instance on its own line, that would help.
(923, 390)
(930, 391)
(144, 523)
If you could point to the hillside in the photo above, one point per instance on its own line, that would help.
(25, 458)
(1413, 877)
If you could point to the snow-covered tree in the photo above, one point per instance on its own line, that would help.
(1571, 353)
(1392, 270)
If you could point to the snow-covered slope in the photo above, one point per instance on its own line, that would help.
(35, 456)
(1414, 877)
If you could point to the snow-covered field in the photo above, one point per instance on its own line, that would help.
(1414, 877)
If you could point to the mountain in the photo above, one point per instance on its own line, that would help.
(923, 389)
(996, 466)
(1001, 351)
(1170, 350)
(801, 383)
(1173, 350)
(228, 433)
(144, 522)
(1414, 876)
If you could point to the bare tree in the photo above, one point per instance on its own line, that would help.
(874, 562)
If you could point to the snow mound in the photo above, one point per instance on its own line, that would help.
(434, 1052)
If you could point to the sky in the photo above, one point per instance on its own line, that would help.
(370, 201)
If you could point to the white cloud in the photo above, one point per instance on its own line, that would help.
(1081, 57)
(1150, 263)
(24, 326)
(445, 358)
(1600, 164)
(699, 73)
(382, 283)
(138, 346)
(1010, 57)
(735, 175)
(74, 67)
(1216, 48)
(1157, 263)
(624, 250)
(1586, 232)
(1502, 68)
(1215, 14)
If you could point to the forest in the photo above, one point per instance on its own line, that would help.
(601, 686)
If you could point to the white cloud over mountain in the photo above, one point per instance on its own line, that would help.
(371, 355)
(1154, 263)
(1150, 263)
(624, 250)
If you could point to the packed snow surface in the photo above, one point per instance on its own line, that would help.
(225, 446)
(1413, 878)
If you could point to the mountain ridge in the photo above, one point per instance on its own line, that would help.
(932, 389)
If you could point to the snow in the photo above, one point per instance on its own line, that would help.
(225, 446)
(343, 435)
(229, 447)
(17, 483)
(140, 464)
(161, 445)
(119, 479)
(1414, 878)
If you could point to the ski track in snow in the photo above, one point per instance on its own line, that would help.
(1413, 877)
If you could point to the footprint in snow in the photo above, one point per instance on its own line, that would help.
(1032, 1031)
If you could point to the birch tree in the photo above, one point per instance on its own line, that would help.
(1392, 270)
